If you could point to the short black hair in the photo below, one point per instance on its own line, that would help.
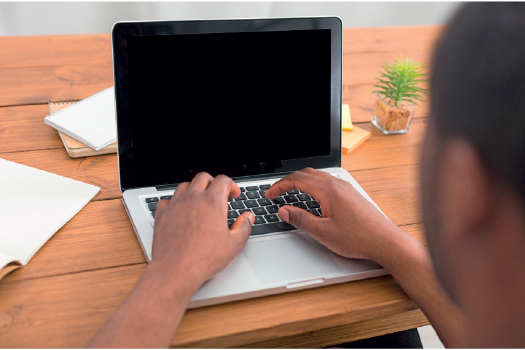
(477, 85)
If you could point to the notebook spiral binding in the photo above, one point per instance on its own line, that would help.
(64, 102)
(77, 102)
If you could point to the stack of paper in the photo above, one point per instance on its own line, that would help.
(90, 121)
(74, 148)
(34, 204)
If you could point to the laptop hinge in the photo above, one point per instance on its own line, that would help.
(260, 176)
(166, 187)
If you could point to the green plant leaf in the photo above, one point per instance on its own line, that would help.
(399, 79)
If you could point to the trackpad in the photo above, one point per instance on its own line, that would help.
(289, 259)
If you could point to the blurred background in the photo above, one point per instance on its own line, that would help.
(48, 18)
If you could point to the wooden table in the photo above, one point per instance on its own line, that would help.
(76, 281)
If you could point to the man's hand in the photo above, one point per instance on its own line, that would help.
(191, 230)
(191, 243)
(351, 226)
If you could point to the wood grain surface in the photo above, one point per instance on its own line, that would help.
(75, 282)
(61, 50)
(22, 129)
(67, 310)
(346, 333)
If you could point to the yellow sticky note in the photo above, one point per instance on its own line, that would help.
(352, 140)
(346, 120)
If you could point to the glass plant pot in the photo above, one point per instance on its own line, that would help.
(391, 119)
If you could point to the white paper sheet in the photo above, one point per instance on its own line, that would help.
(34, 204)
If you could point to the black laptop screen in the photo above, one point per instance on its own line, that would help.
(234, 103)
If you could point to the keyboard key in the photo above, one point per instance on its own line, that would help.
(265, 187)
(264, 201)
(290, 198)
(243, 211)
(229, 207)
(278, 200)
(152, 206)
(242, 189)
(304, 197)
(300, 205)
(251, 203)
(271, 218)
(313, 211)
(237, 205)
(259, 220)
(242, 197)
(230, 222)
(296, 191)
(252, 188)
(252, 195)
(153, 214)
(272, 209)
(259, 211)
(232, 214)
(165, 197)
(152, 199)
(262, 193)
(313, 204)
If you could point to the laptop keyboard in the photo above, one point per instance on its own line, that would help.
(265, 210)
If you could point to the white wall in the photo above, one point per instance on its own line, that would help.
(45, 18)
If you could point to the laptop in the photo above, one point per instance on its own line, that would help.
(255, 99)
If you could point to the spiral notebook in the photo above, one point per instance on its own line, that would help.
(74, 148)
(90, 121)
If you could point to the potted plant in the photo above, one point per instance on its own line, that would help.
(395, 98)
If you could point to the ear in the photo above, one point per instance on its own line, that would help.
(463, 193)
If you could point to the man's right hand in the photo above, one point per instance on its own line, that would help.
(351, 226)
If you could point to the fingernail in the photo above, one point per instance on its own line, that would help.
(251, 217)
(284, 214)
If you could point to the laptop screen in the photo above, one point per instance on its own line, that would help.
(235, 103)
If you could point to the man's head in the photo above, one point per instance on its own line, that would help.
(473, 165)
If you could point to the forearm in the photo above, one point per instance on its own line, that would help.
(410, 264)
(150, 316)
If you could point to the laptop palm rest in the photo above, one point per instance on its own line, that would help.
(289, 259)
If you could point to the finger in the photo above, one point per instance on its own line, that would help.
(200, 182)
(161, 206)
(225, 186)
(235, 190)
(181, 189)
(305, 182)
(300, 218)
(220, 189)
(242, 227)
